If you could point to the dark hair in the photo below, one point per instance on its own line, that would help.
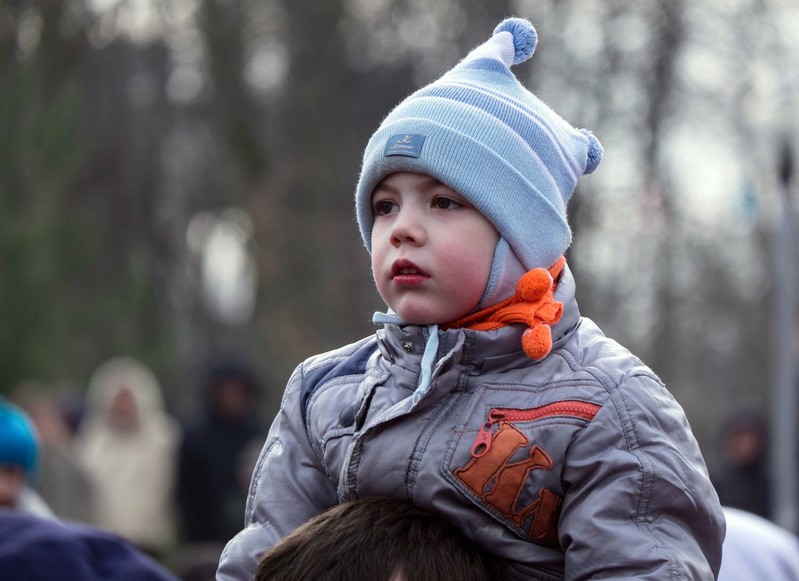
(372, 540)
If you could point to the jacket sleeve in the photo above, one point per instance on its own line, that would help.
(639, 503)
(289, 486)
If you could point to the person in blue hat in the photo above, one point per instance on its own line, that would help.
(486, 397)
(37, 546)
(19, 459)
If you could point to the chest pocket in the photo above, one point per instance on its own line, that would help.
(507, 461)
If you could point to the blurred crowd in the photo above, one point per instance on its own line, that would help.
(117, 460)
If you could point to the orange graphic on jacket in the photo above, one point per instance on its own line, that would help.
(492, 476)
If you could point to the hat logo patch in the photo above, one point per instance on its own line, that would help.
(407, 144)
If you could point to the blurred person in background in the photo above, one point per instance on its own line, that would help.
(62, 482)
(755, 549)
(211, 492)
(19, 458)
(39, 549)
(127, 443)
(742, 480)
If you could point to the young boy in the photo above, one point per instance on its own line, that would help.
(487, 398)
(379, 539)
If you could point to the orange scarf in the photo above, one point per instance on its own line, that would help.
(533, 304)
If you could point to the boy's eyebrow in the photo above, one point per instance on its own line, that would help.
(431, 183)
(383, 187)
(428, 183)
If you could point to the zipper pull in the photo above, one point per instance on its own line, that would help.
(483, 441)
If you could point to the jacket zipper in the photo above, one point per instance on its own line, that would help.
(569, 408)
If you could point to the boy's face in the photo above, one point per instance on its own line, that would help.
(431, 249)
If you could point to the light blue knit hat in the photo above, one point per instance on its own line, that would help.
(480, 132)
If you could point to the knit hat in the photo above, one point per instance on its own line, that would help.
(480, 132)
(18, 443)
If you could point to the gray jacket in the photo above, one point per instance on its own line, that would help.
(578, 466)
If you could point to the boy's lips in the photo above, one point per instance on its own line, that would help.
(406, 273)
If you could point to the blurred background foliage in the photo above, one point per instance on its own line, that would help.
(176, 177)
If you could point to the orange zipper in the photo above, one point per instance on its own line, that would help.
(570, 408)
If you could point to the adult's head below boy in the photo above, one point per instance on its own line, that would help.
(374, 539)
(486, 397)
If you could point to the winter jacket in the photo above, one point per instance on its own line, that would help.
(578, 466)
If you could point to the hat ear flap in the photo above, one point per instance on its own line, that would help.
(595, 151)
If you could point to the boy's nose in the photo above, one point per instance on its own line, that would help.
(408, 229)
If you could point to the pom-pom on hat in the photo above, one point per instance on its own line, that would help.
(18, 443)
(479, 131)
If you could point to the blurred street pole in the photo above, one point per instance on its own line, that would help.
(785, 396)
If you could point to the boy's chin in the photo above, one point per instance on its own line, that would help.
(416, 318)
(415, 313)
(422, 322)
(419, 307)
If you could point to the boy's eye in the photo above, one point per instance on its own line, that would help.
(443, 203)
(383, 207)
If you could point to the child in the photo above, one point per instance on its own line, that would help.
(487, 398)
(379, 539)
